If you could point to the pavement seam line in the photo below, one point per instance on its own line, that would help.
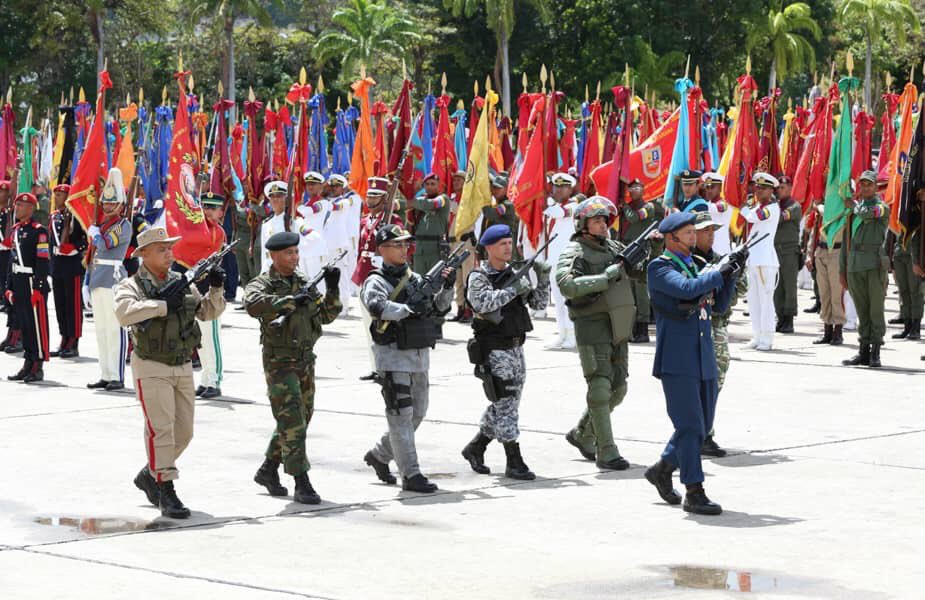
(845, 441)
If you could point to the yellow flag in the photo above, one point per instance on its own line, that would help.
(476, 192)
(58, 153)
(786, 136)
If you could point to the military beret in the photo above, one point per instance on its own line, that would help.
(782, 179)
(27, 198)
(62, 187)
(212, 200)
(494, 234)
(282, 240)
(431, 175)
(676, 221)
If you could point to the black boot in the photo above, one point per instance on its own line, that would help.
(915, 330)
(99, 385)
(711, 448)
(459, 314)
(861, 358)
(907, 324)
(474, 452)
(418, 483)
(816, 307)
(170, 505)
(21, 374)
(71, 350)
(466, 316)
(7, 340)
(114, 386)
(304, 492)
(61, 347)
(696, 501)
(837, 339)
(145, 482)
(15, 343)
(786, 325)
(572, 439)
(368, 377)
(516, 467)
(896, 321)
(659, 475)
(875, 355)
(826, 335)
(640, 333)
(35, 373)
(381, 468)
(268, 476)
(617, 464)
(211, 392)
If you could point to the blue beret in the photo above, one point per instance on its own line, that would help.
(676, 221)
(494, 234)
(282, 240)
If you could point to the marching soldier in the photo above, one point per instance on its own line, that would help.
(431, 215)
(684, 299)
(863, 267)
(164, 334)
(12, 343)
(764, 214)
(500, 327)
(68, 243)
(402, 338)
(787, 246)
(27, 287)
(909, 286)
(288, 358)
(639, 215)
(591, 275)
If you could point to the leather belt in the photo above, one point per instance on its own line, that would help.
(17, 268)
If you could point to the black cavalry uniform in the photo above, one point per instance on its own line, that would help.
(67, 271)
(27, 291)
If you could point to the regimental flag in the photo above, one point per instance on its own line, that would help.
(695, 109)
(445, 163)
(551, 130)
(476, 192)
(298, 96)
(591, 153)
(788, 137)
(318, 135)
(64, 146)
(567, 144)
(93, 167)
(221, 182)
(182, 211)
(27, 170)
(744, 147)
(838, 182)
(340, 153)
(680, 156)
(402, 111)
(507, 151)
(8, 157)
(899, 155)
(620, 170)
(460, 138)
(911, 204)
(768, 150)
(813, 164)
(364, 155)
(527, 190)
(426, 128)
(126, 158)
(253, 179)
(863, 127)
(888, 135)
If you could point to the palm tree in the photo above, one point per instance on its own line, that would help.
(873, 16)
(657, 73)
(366, 30)
(790, 51)
(500, 15)
(229, 11)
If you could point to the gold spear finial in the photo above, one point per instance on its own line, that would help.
(487, 84)
(587, 95)
(320, 86)
(180, 61)
(404, 70)
(523, 80)
(429, 88)
(362, 71)
(475, 88)
(303, 76)
(128, 99)
(62, 99)
(597, 94)
(251, 96)
(626, 74)
(338, 103)
(849, 63)
(697, 75)
(221, 90)
(460, 105)
(789, 103)
(349, 98)
(81, 95)
(192, 83)
(9, 94)
(889, 81)
(687, 67)
(552, 81)
(276, 104)
(141, 96)
(748, 65)
(163, 95)
(543, 77)
(443, 84)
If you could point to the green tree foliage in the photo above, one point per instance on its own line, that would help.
(779, 33)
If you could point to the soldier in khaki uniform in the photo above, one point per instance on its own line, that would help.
(288, 360)
(164, 333)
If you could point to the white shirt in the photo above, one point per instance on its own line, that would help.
(764, 219)
(275, 224)
(563, 226)
(721, 213)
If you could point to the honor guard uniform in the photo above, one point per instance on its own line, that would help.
(291, 318)
(342, 230)
(431, 215)
(27, 287)
(210, 352)
(719, 210)
(138, 225)
(164, 334)
(787, 246)
(500, 327)
(276, 191)
(402, 335)
(558, 221)
(684, 299)
(12, 343)
(68, 244)
(637, 217)
(593, 277)
(863, 265)
(763, 214)
(691, 201)
(110, 239)
(315, 211)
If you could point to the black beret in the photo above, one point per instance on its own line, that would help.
(282, 240)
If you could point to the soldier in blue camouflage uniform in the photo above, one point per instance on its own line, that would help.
(288, 360)
(500, 326)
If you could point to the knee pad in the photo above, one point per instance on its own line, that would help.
(598, 392)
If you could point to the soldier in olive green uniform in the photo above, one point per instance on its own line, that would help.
(246, 213)
(501, 212)
(638, 215)
(787, 245)
(432, 218)
(910, 288)
(863, 265)
(290, 323)
(592, 276)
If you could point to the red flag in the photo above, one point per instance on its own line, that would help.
(182, 210)
(899, 156)
(861, 161)
(474, 112)
(888, 136)
(528, 179)
(567, 144)
(745, 147)
(610, 137)
(551, 131)
(7, 143)
(298, 95)
(221, 182)
(592, 154)
(620, 175)
(253, 179)
(695, 125)
(402, 110)
(507, 152)
(445, 161)
(380, 113)
(280, 157)
(91, 171)
(768, 149)
(813, 166)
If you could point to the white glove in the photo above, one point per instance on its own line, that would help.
(85, 292)
(93, 231)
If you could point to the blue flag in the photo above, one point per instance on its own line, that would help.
(459, 138)
(680, 158)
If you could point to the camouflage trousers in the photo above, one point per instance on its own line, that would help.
(499, 421)
(605, 367)
(291, 388)
(719, 324)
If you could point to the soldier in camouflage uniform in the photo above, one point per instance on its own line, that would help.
(593, 277)
(288, 360)
(500, 326)
(637, 215)
(500, 211)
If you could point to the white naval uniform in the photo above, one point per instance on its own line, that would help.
(762, 272)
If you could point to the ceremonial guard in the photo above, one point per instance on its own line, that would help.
(164, 334)
(558, 221)
(719, 211)
(402, 338)
(500, 327)
(291, 315)
(787, 246)
(27, 287)
(763, 213)
(275, 191)
(637, 217)
(691, 201)
(863, 266)
(342, 230)
(210, 350)
(111, 239)
(431, 215)
(684, 300)
(315, 211)
(68, 244)
(12, 343)
(593, 277)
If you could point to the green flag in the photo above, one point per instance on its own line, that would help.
(838, 181)
(26, 178)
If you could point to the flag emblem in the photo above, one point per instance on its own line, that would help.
(651, 162)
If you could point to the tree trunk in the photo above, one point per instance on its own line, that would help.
(867, 66)
(772, 79)
(229, 64)
(100, 58)
(506, 76)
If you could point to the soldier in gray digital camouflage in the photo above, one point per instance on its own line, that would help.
(501, 323)
(291, 314)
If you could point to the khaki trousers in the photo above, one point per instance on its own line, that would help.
(832, 311)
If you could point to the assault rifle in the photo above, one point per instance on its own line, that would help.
(635, 253)
(514, 275)
(309, 290)
(195, 274)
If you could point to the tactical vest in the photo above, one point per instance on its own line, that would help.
(170, 339)
(296, 337)
(515, 320)
(616, 301)
(411, 333)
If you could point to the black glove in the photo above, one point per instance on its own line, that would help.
(217, 277)
(174, 301)
(332, 278)
(728, 269)
(306, 297)
(450, 280)
(420, 307)
(739, 257)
